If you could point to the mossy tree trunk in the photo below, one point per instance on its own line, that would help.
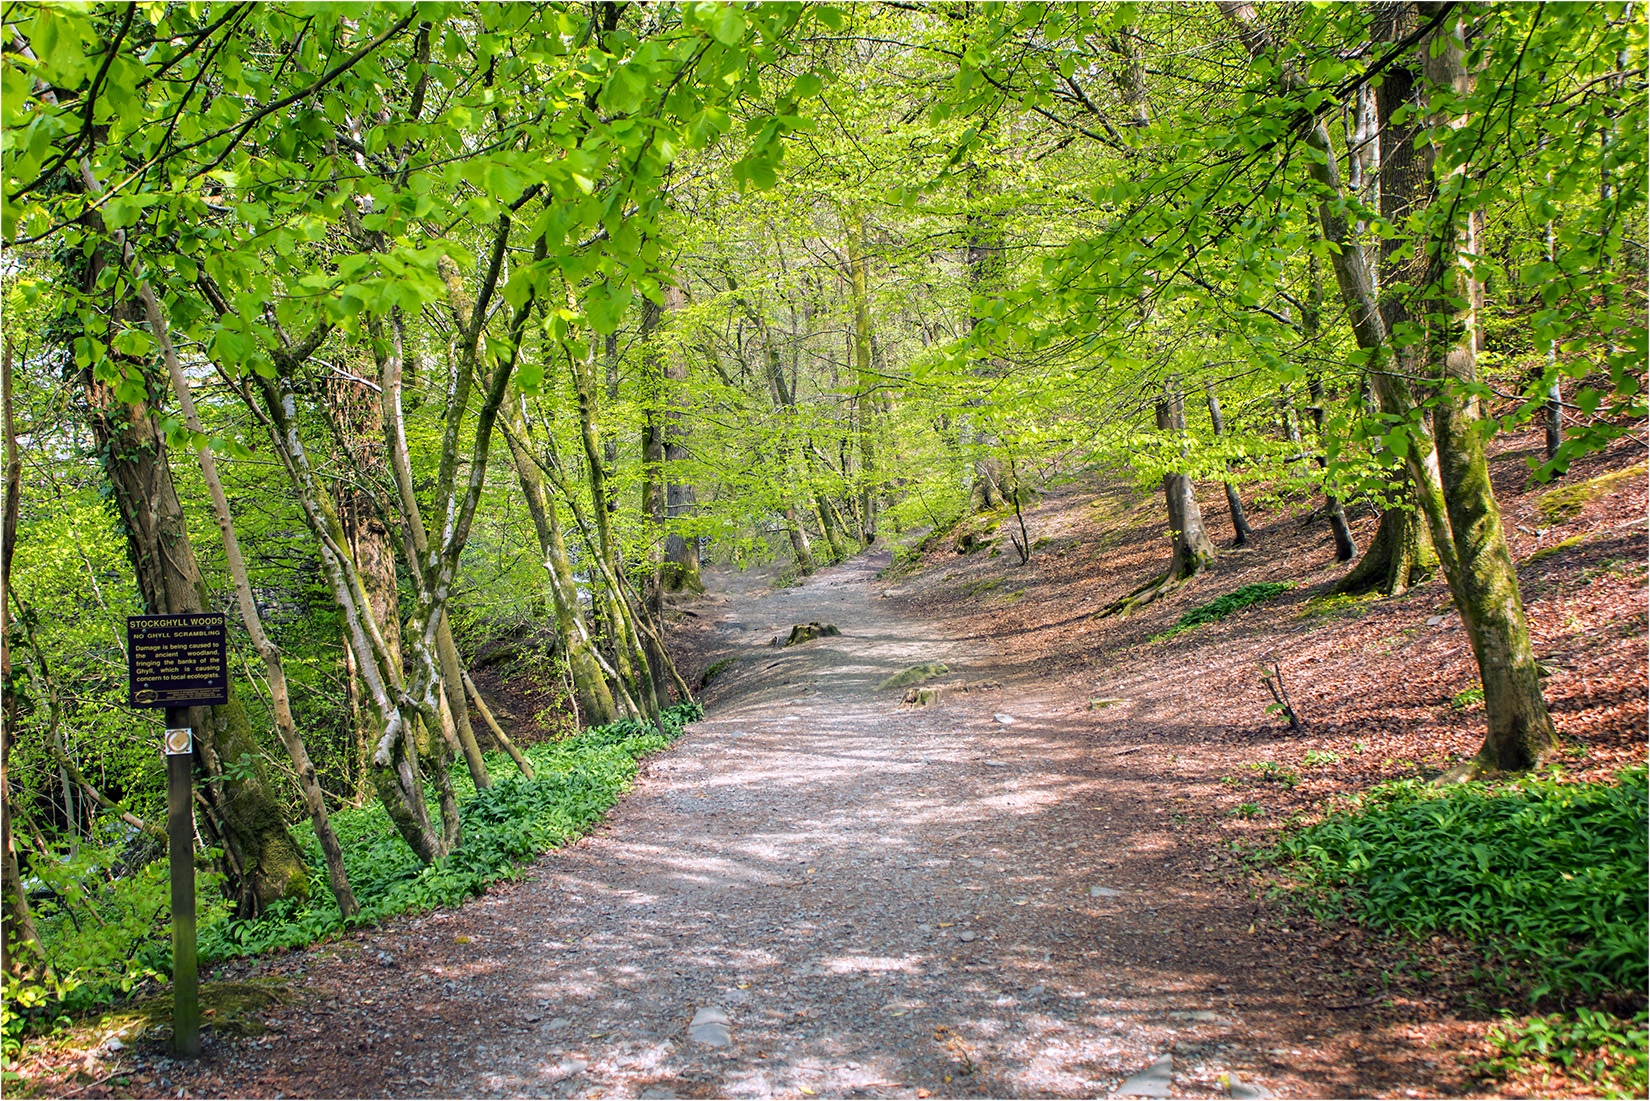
(1485, 584)
(1445, 460)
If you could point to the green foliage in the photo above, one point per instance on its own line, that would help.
(506, 825)
(106, 933)
(103, 928)
(1340, 605)
(1316, 757)
(1221, 607)
(1467, 698)
(1612, 1051)
(1273, 773)
(1548, 872)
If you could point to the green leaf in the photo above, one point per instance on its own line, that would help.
(727, 24)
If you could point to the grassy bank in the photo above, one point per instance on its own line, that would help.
(105, 934)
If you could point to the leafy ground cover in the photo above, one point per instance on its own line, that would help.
(1549, 875)
(1223, 606)
(1555, 873)
(107, 945)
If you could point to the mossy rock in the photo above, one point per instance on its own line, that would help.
(979, 588)
(807, 632)
(916, 674)
(923, 696)
(1566, 502)
(717, 669)
(1562, 545)
(228, 1008)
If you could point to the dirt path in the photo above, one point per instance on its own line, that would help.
(850, 896)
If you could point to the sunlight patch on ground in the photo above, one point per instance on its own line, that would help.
(859, 965)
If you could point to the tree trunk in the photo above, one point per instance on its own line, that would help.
(593, 696)
(1401, 554)
(984, 261)
(1243, 534)
(1193, 551)
(628, 654)
(865, 382)
(309, 785)
(1311, 317)
(133, 453)
(20, 953)
(1448, 469)
(680, 570)
(393, 768)
(652, 439)
(1520, 730)
(359, 421)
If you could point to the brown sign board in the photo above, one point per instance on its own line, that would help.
(177, 660)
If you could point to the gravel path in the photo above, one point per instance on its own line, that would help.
(849, 897)
(816, 891)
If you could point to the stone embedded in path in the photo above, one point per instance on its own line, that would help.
(710, 1027)
(967, 935)
(1236, 1087)
(566, 1069)
(1105, 892)
(1154, 1081)
(1004, 719)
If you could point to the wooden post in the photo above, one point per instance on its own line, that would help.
(180, 845)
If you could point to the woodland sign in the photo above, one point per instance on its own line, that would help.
(177, 660)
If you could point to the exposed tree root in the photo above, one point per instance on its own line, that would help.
(1155, 589)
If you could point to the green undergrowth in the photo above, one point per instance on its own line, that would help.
(1223, 606)
(1338, 605)
(1611, 1052)
(504, 827)
(576, 780)
(1547, 872)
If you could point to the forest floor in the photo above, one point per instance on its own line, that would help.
(1034, 887)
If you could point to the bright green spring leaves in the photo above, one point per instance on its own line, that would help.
(1551, 873)
(311, 166)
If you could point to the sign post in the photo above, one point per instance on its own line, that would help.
(178, 662)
